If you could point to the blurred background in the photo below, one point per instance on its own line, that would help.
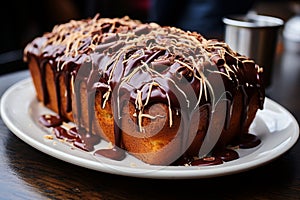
(22, 21)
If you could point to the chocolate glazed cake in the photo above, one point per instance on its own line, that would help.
(164, 95)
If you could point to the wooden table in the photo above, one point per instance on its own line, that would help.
(26, 173)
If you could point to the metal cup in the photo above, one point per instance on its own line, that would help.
(254, 36)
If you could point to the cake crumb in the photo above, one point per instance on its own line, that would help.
(110, 145)
(48, 137)
(234, 147)
(133, 165)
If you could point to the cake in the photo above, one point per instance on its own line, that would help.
(164, 95)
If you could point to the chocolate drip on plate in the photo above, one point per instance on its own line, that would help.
(114, 153)
(48, 120)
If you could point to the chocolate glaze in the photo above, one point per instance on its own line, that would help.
(48, 120)
(141, 63)
(62, 133)
(207, 161)
(246, 141)
(84, 140)
(114, 153)
(225, 154)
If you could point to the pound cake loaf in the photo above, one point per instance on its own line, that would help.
(164, 95)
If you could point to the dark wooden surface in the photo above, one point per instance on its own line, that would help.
(26, 173)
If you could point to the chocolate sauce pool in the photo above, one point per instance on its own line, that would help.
(86, 142)
(80, 139)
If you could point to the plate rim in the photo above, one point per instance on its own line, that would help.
(168, 172)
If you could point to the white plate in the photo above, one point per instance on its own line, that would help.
(275, 126)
